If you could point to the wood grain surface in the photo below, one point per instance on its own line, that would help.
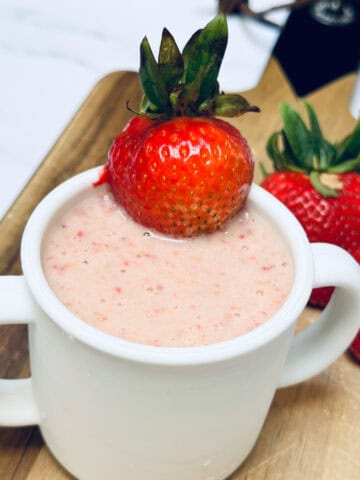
(312, 431)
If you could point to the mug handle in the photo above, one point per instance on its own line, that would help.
(17, 402)
(328, 337)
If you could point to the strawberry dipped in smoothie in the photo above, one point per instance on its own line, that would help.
(166, 251)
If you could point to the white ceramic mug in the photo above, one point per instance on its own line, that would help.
(110, 409)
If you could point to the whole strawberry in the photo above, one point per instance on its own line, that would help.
(176, 168)
(324, 218)
(319, 182)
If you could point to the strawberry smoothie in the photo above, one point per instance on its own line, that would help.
(138, 285)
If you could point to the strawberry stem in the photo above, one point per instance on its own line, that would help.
(186, 83)
(302, 148)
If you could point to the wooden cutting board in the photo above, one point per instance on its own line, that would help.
(313, 430)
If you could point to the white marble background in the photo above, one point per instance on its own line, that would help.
(53, 52)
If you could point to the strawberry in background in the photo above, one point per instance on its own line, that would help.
(319, 182)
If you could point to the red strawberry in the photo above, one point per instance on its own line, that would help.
(175, 167)
(320, 183)
(185, 176)
(325, 219)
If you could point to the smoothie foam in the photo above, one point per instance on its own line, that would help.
(135, 284)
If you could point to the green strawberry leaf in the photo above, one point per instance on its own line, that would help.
(331, 152)
(349, 147)
(352, 165)
(289, 159)
(171, 65)
(298, 136)
(151, 79)
(188, 96)
(227, 105)
(282, 159)
(272, 148)
(288, 152)
(145, 104)
(323, 150)
(188, 54)
(203, 56)
(232, 105)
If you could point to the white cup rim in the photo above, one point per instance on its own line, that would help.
(79, 330)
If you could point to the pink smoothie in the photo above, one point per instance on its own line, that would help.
(138, 285)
